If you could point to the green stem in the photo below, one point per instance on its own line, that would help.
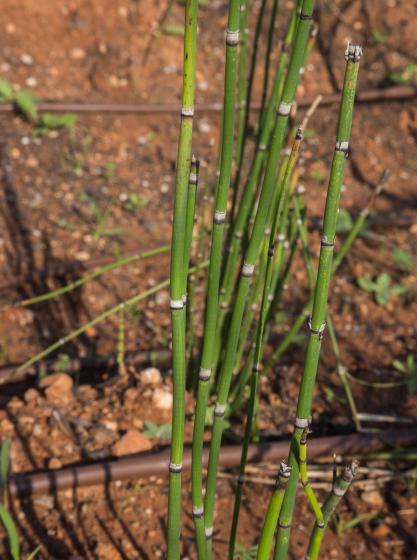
(219, 218)
(121, 334)
(340, 487)
(269, 43)
(178, 279)
(251, 255)
(95, 274)
(317, 323)
(242, 83)
(272, 513)
(246, 201)
(278, 218)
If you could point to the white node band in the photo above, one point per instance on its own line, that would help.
(198, 511)
(247, 269)
(176, 303)
(208, 532)
(342, 146)
(302, 422)
(232, 38)
(187, 111)
(204, 374)
(193, 179)
(284, 109)
(219, 217)
(219, 409)
(175, 467)
(339, 492)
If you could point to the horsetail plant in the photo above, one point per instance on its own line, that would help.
(245, 204)
(178, 279)
(278, 219)
(251, 256)
(340, 486)
(219, 219)
(337, 261)
(317, 322)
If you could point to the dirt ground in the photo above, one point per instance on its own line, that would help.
(105, 189)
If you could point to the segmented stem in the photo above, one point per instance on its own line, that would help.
(317, 323)
(251, 256)
(279, 217)
(341, 485)
(219, 218)
(178, 279)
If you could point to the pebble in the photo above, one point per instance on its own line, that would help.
(82, 256)
(413, 229)
(162, 399)
(373, 498)
(26, 59)
(54, 463)
(381, 531)
(132, 442)
(150, 376)
(31, 395)
(58, 388)
(15, 153)
(78, 54)
(32, 162)
(31, 82)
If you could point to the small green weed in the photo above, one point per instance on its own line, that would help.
(382, 287)
(381, 37)
(407, 76)
(243, 553)
(27, 103)
(134, 202)
(408, 368)
(157, 431)
(341, 525)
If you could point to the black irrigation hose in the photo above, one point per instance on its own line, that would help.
(151, 464)
(393, 93)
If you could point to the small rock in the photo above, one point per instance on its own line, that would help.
(381, 531)
(58, 388)
(45, 501)
(32, 162)
(78, 54)
(31, 395)
(131, 394)
(54, 463)
(150, 376)
(132, 442)
(82, 256)
(31, 82)
(103, 437)
(413, 229)
(111, 425)
(26, 59)
(162, 399)
(15, 153)
(373, 498)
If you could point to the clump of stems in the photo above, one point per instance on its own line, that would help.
(318, 318)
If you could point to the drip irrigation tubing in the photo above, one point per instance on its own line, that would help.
(151, 464)
(394, 93)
